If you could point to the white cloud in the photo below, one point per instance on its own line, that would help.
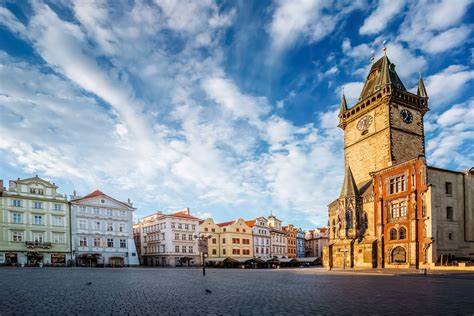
(309, 19)
(359, 52)
(381, 17)
(448, 141)
(435, 27)
(447, 84)
(224, 92)
(352, 92)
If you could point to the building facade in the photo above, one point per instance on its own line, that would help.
(168, 239)
(315, 240)
(261, 237)
(230, 239)
(300, 243)
(278, 236)
(34, 224)
(291, 232)
(101, 228)
(392, 210)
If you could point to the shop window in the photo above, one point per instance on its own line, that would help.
(449, 213)
(449, 188)
(403, 233)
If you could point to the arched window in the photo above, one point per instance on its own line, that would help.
(348, 219)
(393, 234)
(399, 255)
(403, 233)
(365, 221)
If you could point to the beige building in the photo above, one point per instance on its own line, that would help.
(279, 240)
(230, 239)
(450, 203)
(34, 224)
(167, 239)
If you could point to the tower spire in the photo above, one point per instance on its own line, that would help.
(343, 107)
(349, 187)
(421, 91)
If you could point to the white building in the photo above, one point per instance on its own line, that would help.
(168, 239)
(279, 239)
(101, 229)
(315, 240)
(261, 237)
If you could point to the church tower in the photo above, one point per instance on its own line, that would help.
(385, 126)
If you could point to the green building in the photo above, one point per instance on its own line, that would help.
(34, 224)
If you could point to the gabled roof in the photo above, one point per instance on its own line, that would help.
(381, 74)
(182, 215)
(349, 187)
(36, 179)
(98, 193)
(94, 194)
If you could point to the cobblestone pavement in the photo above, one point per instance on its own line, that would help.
(245, 292)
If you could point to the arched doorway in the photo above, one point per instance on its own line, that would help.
(399, 255)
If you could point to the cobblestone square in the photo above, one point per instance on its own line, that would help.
(257, 292)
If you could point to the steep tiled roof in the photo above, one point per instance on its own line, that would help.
(382, 73)
(93, 194)
(250, 223)
(226, 223)
(182, 215)
(349, 187)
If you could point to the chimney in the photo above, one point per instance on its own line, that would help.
(74, 193)
(187, 211)
(1, 185)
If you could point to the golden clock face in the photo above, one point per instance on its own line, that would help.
(364, 123)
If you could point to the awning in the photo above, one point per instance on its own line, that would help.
(242, 260)
(308, 259)
(287, 260)
(215, 259)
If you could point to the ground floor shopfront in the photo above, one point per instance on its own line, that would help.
(170, 261)
(34, 258)
(86, 259)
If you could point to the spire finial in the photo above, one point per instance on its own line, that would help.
(384, 47)
(372, 57)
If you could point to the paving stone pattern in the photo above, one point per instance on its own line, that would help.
(234, 292)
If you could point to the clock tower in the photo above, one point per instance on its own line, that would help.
(385, 127)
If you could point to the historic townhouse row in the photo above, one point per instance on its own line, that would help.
(39, 226)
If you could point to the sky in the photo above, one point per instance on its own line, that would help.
(227, 107)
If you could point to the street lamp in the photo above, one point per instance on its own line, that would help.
(202, 247)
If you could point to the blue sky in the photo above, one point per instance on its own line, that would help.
(226, 107)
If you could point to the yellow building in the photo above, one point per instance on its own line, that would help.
(34, 223)
(230, 239)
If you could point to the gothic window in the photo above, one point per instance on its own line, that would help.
(403, 209)
(399, 255)
(365, 221)
(397, 184)
(403, 233)
(393, 234)
(348, 219)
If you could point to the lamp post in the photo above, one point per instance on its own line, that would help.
(202, 247)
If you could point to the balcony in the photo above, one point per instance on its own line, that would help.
(38, 244)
